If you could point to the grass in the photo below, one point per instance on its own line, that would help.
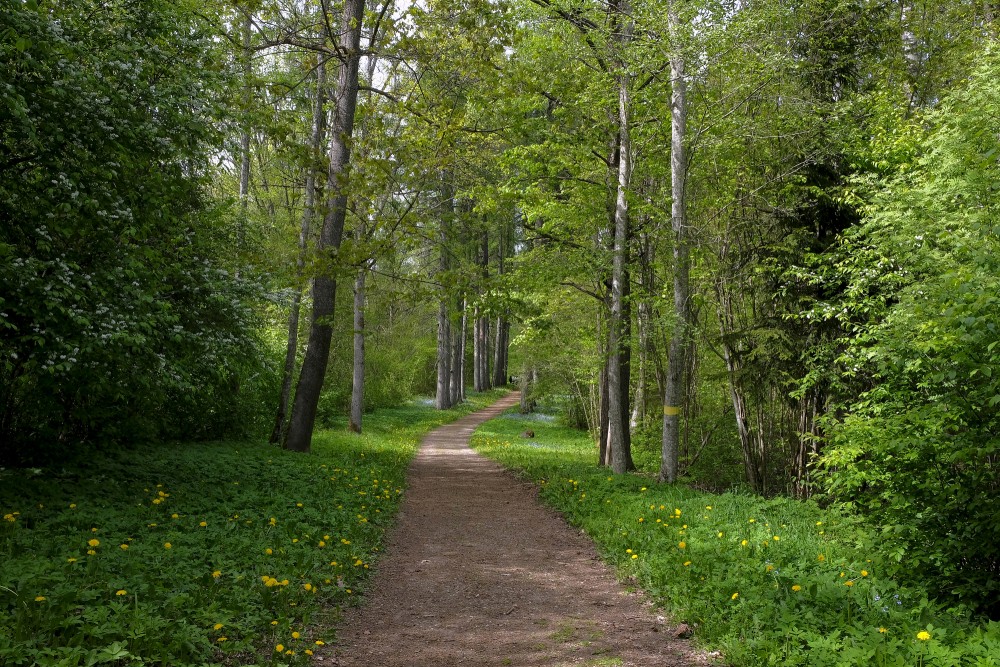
(194, 554)
(768, 582)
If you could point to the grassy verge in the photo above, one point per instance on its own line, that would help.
(769, 582)
(208, 553)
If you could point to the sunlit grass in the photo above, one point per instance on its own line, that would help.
(190, 554)
(767, 581)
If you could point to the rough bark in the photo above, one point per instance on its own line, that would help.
(308, 211)
(442, 395)
(317, 355)
(457, 349)
(673, 398)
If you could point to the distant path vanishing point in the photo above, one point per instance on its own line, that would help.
(477, 572)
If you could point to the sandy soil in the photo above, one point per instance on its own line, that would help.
(478, 572)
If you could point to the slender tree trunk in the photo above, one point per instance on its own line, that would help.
(500, 339)
(673, 397)
(308, 211)
(462, 351)
(457, 348)
(317, 355)
(618, 391)
(358, 377)
(442, 397)
(241, 221)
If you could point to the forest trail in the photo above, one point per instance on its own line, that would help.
(477, 572)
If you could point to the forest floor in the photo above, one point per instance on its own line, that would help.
(478, 572)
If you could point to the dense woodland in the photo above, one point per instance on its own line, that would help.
(746, 244)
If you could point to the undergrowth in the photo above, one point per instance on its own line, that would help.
(194, 554)
(766, 581)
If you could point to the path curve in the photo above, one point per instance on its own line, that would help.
(477, 572)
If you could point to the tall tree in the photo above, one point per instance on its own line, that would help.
(311, 377)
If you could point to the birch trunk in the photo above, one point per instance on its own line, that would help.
(618, 331)
(310, 383)
(673, 394)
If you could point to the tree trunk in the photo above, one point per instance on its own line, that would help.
(442, 396)
(308, 210)
(618, 392)
(241, 220)
(673, 397)
(358, 377)
(462, 351)
(325, 287)
(457, 349)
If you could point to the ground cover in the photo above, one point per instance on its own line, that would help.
(199, 553)
(767, 581)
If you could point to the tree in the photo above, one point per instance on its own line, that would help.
(303, 415)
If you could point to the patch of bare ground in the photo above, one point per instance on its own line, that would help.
(478, 572)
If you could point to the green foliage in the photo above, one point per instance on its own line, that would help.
(918, 451)
(116, 321)
(262, 541)
(767, 581)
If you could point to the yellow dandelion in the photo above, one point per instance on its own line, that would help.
(40, 598)
(217, 626)
(295, 635)
(203, 524)
(686, 563)
(94, 543)
(279, 648)
(269, 551)
(634, 556)
(72, 506)
(216, 574)
(735, 595)
(681, 545)
(883, 630)
(308, 587)
(796, 588)
(923, 635)
(222, 639)
(175, 516)
(123, 547)
(743, 543)
(274, 622)
(777, 538)
(91, 552)
(821, 558)
(121, 592)
(320, 642)
(864, 573)
(167, 545)
(848, 583)
(70, 560)
(308, 651)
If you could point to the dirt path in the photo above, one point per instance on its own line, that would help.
(477, 572)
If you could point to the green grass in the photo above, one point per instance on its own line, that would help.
(208, 553)
(769, 582)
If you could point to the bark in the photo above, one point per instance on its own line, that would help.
(673, 394)
(643, 322)
(480, 351)
(457, 349)
(618, 393)
(308, 211)
(500, 340)
(358, 377)
(442, 396)
(317, 355)
(462, 351)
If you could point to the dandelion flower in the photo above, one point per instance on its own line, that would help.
(70, 560)
(634, 556)
(91, 552)
(40, 598)
(222, 639)
(777, 538)
(72, 506)
(923, 635)
(883, 630)
(295, 635)
(167, 545)
(308, 587)
(203, 524)
(175, 516)
(821, 558)
(320, 642)
(686, 563)
(796, 588)
(123, 547)
(94, 542)
(848, 583)
(274, 622)
(308, 651)
(269, 551)
(217, 626)
(216, 574)
(681, 545)
(735, 595)
(279, 648)
(743, 543)
(864, 573)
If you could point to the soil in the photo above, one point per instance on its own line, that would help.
(478, 572)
